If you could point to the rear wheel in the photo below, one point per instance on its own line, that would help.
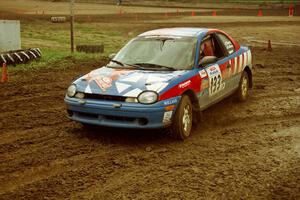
(183, 119)
(243, 90)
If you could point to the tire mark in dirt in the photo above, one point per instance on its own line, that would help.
(233, 152)
(53, 169)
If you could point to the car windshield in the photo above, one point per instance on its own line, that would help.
(159, 53)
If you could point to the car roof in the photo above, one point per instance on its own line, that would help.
(188, 32)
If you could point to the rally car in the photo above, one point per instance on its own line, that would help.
(162, 79)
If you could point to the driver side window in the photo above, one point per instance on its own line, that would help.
(210, 47)
(206, 47)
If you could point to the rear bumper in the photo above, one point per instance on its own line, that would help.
(129, 115)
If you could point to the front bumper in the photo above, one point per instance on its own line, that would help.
(128, 115)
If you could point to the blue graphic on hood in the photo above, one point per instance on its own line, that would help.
(124, 82)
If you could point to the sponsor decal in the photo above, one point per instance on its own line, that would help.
(203, 73)
(169, 102)
(204, 84)
(185, 84)
(229, 46)
(167, 117)
(105, 81)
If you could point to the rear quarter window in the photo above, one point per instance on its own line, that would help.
(227, 42)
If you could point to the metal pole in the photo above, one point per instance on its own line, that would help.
(72, 24)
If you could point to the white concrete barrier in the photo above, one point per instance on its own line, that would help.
(10, 37)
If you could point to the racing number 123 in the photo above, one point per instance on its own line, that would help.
(215, 83)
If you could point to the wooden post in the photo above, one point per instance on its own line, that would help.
(72, 24)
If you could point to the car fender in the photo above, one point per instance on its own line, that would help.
(189, 81)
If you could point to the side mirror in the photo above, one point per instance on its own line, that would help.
(208, 60)
(111, 56)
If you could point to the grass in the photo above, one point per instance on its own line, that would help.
(57, 59)
(54, 42)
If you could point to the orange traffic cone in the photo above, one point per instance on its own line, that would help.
(193, 13)
(4, 77)
(259, 14)
(269, 46)
(291, 10)
(214, 13)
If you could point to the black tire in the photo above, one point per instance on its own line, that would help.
(182, 122)
(20, 56)
(243, 90)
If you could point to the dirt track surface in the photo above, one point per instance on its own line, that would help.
(239, 151)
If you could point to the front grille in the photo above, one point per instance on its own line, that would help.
(92, 116)
(105, 97)
(119, 118)
(87, 115)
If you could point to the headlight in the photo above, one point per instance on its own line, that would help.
(148, 97)
(71, 91)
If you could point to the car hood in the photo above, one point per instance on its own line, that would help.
(124, 82)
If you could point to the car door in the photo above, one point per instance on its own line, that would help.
(214, 76)
(229, 71)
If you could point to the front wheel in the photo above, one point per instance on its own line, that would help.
(183, 119)
(243, 90)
